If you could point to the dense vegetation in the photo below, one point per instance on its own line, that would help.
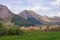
(9, 28)
(34, 35)
(20, 21)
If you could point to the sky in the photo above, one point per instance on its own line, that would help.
(42, 7)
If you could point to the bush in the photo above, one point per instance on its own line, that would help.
(1, 25)
(10, 29)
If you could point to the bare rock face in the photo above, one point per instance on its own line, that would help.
(5, 13)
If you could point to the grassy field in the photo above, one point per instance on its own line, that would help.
(34, 35)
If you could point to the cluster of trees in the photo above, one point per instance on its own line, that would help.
(9, 29)
(52, 28)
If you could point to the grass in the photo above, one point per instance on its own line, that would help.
(34, 35)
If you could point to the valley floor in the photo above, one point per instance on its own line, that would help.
(34, 35)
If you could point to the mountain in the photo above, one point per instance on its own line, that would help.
(6, 15)
(35, 18)
(20, 21)
(31, 16)
(55, 18)
(26, 17)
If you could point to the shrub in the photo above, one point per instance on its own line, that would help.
(10, 29)
(1, 25)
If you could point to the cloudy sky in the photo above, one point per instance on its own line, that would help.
(42, 7)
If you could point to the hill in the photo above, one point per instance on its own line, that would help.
(36, 19)
(26, 17)
(6, 15)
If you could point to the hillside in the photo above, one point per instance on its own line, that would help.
(20, 21)
(35, 18)
(31, 16)
(26, 17)
(6, 15)
(55, 18)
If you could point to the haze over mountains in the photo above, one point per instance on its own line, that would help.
(26, 17)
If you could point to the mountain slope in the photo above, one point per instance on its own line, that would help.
(35, 18)
(26, 18)
(31, 16)
(20, 21)
(55, 18)
(6, 15)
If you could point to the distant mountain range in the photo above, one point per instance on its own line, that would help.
(38, 19)
(26, 17)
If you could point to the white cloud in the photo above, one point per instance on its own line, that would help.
(40, 8)
(17, 9)
(36, 5)
(58, 14)
(56, 3)
(55, 14)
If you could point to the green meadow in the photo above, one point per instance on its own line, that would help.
(34, 35)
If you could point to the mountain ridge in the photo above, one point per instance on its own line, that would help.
(6, 15)
(43, 19)
(26, 17)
